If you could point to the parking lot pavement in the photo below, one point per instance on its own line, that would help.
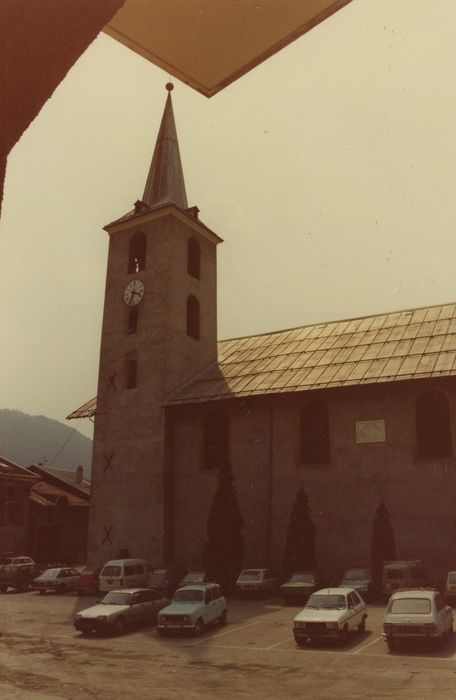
(253, 656)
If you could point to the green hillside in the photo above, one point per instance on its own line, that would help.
(27, 440)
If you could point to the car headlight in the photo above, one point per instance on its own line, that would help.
(78, 617)
(102, 618)
(186, 619)
(299, 624)
(332, 625)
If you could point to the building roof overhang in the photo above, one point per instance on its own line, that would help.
(133, 219)
(209, 44)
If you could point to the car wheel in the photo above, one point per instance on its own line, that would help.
(223, 618)
(199, 627)
(3, 589)
(162, 633)
(41, 592)
(23, 587)
(301, 642)
(392, 644)
(450, 630)
(119, 626)
(344, 635)
(362, 625)
(439, 642)
(61, 588)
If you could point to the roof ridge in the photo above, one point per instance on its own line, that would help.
(337, 320)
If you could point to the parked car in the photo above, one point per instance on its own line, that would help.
(330, 613)
(450, 587)
(192, 609)
(88, 582)
(194, 577)
(124, 573)
(300, 586)
(58, 580)
(404, 574)
(360, 579)
(417, 614)
(16, 572)
(259, 581)
(167, 579)
(121, 609)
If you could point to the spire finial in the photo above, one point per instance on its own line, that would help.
(169, 87)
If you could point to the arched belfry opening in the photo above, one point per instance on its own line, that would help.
(137, 252)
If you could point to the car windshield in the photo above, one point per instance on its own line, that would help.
(452, 577)
(5, 560)
(111, 571)
(116, 598)
(302, 578)
(327, 602)
(250, 575)
(395, 573)
(50, 573)
(195, 576)
(410, 606)
(356, 575)
(188, 595)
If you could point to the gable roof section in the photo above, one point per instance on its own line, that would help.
(11, 470)
(47, 495)
(414, 344)
(62, 479)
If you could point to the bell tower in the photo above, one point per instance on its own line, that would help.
(159, 330)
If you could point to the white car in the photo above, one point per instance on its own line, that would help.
(192, 609)
(330, 613)
(257, 581)
(58, 580)
(417, 614)
(121, 609)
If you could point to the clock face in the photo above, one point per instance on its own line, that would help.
(134, 292)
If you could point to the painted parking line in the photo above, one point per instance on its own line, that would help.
(278, 644)
(232, 630)
(366, 646)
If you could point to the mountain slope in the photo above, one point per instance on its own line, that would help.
(27, 440)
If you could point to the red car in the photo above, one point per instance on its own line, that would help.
(88, 582)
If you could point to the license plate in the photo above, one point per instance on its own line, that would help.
(173, 627)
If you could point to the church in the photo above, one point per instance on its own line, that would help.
(357, 411)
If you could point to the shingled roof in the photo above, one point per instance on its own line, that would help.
(413, 344)
(389, 347)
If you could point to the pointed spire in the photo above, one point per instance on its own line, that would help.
(165, 182)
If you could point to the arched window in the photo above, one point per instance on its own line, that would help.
(314, 434)
(193, 317)
(131, 372)
(193, 258)
(137, 252)
(132, 320)
(216, 440)
(433, 435)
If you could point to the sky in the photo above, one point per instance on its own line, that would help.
(329, 171)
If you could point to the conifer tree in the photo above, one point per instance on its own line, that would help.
(300, 544)
(383, 546)
(223, 551)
